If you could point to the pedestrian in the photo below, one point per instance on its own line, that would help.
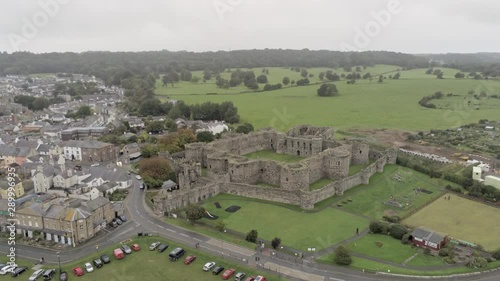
(357, 231)
(42, 260)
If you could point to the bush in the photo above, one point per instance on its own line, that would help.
(477, 262)
(444, 252)
(276, 242)
(406, 239)
(496, 254)
(397, 231)
(220, 226)
(392, 219)
(252, 236)
(449, 260)
(376, 227)
(342, 256)
(427, 251)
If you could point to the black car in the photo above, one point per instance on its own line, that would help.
(123, 218)
(217, 270)
(18, 271)
(48, 274)
(119, 221)
(98, 263)
(162, 248)
(63, 276)
(105, 259)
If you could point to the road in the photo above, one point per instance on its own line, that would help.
(142, 221)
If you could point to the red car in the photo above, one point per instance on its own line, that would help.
(189, 259)
(251, 278)
(136, 247)
(78, 271)
(228, 273)
(260, 278)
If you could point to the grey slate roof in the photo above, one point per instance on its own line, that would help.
(427, 235)
(14, 151)
(85, 144)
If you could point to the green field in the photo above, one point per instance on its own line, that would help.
(392, 104)
(392, 250)
(369, 199)
(461, 219)
(296, 229)
(147, 265)
(271, 155)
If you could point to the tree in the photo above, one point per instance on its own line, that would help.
(262, 79)
(276, 242)
(381, 79)
(40, 103)
(186, 75)
(303, 72)
(303, 82)
(245, 128)
(195, 79)
(376, 227)
(396, 76)
(252, 236)
(398, 231)
(439, 75)
(328, 90)
(155, 127)
(429, 71)
(286, 81)
(342, 256)
(321, 75)
(194, 212)
(220, 226)
(207, 74)
(204, 137)
(459, 75)
(155, 171)
(332, 76)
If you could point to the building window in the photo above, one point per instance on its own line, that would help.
(81, 226)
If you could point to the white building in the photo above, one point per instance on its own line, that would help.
(477, 174)
(71, 153)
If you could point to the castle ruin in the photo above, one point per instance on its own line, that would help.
(229, 171)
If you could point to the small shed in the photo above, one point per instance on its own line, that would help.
(428, 239)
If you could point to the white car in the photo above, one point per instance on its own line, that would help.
(95, 165)
(138, 177)
(7, 269)
(89, 267)
(37, 274)
(208, 266)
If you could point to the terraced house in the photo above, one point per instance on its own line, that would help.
(64, 221)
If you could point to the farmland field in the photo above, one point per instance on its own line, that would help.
(461, 219)
(296, 229)
(392, 104)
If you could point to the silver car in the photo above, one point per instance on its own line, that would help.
(37, 274)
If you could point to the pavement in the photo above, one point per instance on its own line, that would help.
(142, 219)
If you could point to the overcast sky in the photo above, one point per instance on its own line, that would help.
(410, 26)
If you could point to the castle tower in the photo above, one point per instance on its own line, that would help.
(360, 153)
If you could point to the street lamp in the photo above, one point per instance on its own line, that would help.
(59, 260)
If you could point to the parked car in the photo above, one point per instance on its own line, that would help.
(251, 278)
(18, 271)
(7, 269)
(113, 223)
(126, 249)
(105, 259)
(48, 274)
(228, 273)
(217, 270)
(123, 218)
(78, 271)
(136, 247)
(260, 278)
(89, 267)
(98, 263)
(189, 259)
(119, 221)
(118, 253)
(63, 276)
(138, 177)
(153, 246)
(2, 265)
(37, 274)
(176, 254)
(162, 248)
(239, 276)
(208, 266)
(95, 165)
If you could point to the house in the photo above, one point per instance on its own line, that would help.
(43, 179)
(65, 221)
(98, 176)
(89, 151)
(43, 149)
(428, 239)
(17, 155)
(83, 132)
(65, 179)
(17, 187)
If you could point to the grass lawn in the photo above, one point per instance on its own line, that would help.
(392, 104)
(359, 263)
(369, 199)
(271, 155)
(319, 184)
(354, 169)
(149, 265)
(297, 229)
(462, 219)
(392, 249)
(425, 260)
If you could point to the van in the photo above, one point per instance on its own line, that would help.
(48, 274)
(176, 254)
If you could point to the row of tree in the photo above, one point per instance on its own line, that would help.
(36, 104)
